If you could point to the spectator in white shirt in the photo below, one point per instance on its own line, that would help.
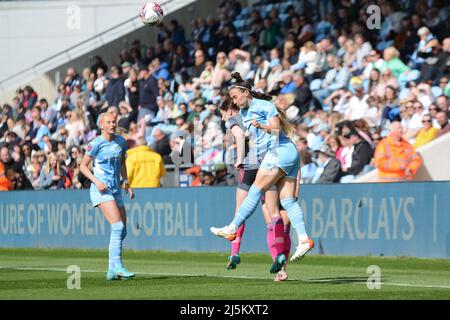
(363, 49)
(307, 58)
(406, 116)
(416, 122)
(357, 106)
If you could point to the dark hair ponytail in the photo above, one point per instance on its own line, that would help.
(260, 95)
(228, 104)
(244, 85)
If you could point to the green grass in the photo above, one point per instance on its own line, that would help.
(192, 276)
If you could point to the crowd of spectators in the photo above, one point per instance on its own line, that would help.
(342, 85)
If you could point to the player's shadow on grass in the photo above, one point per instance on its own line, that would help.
(163, 277)
(339, 280)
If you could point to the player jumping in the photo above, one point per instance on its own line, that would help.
(279, 167)
(248, 163)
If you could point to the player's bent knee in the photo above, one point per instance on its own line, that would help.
(286, 203)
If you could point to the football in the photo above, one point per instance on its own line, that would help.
(151, 14)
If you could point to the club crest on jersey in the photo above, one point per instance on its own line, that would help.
(89, 147)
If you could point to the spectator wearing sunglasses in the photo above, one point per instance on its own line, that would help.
(427, 133)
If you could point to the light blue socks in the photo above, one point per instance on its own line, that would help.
(248, 206)
(295, 215)
(118, 233)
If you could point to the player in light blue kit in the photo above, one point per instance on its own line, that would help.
(280, 165)
(108, 152)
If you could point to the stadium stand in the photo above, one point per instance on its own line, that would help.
(342, 86)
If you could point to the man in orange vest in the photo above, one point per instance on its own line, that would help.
(395, 158)
(5, 184)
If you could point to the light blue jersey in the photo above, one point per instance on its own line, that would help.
(108, 157)
(279, 149)
(261, 141)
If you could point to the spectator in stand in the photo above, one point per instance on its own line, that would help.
(30, 97)
(240, 61)
(76, 128)
(132, 89)
(329, 169)
(357, 105)
(126, 115)
(162, 145)
(395, 157)
(374, 61)
(363, 48)
(99, 83)
(199, 64)
(303, 94)
(391, 110)
(75, 95)
(269, 36)
(74, 155)
(416, 122)
(252, 45)
(276, 70)
(207, 179)
(335, 145)
(443, 102)
(306, 32)
(115, 91)
(435, 60)
(72, 79)
(223, 177)
(323, 130)
(425, 37)
(48, 114)
(125, 56)
(349, 58)
(307, 167)
(52, 176)
(442, 120)
(307, 60)
(148, 91)
(398, 68)
(159, 70)
(5, 183)
(232, 7)
(433, 109)
(427, 133)
(98, 63)
(204, 79)
(5, 157)
(37, 130)
(335, 79)
(361, 155)
(386, 80)
(126, 68)
(145, 168)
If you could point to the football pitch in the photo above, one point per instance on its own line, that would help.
(42, 274)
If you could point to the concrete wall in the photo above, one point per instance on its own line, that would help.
(435, 155)
(29, 41)
(31, 31)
